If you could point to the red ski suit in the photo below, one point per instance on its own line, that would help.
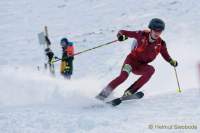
(137, 61)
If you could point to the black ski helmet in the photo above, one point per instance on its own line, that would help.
(157, 24)
(64, 40)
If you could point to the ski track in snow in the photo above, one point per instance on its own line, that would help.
(32, 101)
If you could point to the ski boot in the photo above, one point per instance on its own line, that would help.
(104, 94)
(128, 92)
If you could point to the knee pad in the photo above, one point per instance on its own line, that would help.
(127, 68)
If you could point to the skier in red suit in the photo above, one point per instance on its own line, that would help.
(149, 45)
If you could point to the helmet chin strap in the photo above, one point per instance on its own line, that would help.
(151, 39)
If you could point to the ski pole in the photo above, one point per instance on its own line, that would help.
(58, 59)
(178, 89)
(95, 47)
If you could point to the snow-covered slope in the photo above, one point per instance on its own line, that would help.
(32, 101)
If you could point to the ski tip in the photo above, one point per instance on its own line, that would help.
(140, 94)
(115, 102)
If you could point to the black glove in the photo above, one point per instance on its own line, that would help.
(174, 63)
(121, 37)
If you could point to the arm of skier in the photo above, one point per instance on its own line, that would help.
(166, 56)
(124, 34)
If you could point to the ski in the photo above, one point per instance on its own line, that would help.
(117, 101)
(45, 41)
(48, 51)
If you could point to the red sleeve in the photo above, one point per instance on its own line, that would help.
(131, 34)
(164, 51)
